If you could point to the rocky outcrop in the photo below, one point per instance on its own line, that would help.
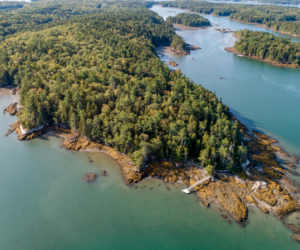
(90, 177)
(172, 63)
(193, 47)
(266, 195)
(167, 171)
(230, 194)
(28, 135)
(289, 206)
(12, 128)
(295, 230)
(12, 109)
(233, 205)
(230, 49)
(258, 185)
(73, 141)
(296, 237)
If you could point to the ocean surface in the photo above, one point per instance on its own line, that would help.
(45, 203)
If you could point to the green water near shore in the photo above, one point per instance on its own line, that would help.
(45, 204)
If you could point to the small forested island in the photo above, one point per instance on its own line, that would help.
(278, 18)
(267, 47)
(90, 74)
(191, 20)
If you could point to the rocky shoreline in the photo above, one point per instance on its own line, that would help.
(186, 51)
(267, 27)
(275, 63)
(263, 183)
(185, 27)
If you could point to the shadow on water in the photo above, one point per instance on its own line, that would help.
(253, 125)
(250, 124)
(44, 138)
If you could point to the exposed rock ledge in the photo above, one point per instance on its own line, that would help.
(24, 134)
(172, 63)
(12, 109)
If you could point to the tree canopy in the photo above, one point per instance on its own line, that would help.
(187, 19)
(283, 19)
(267, 46)
(98, 74)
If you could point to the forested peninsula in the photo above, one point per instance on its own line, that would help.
(278, 18)
(100, 76)
(267, 47)
(191, 20)
(93, 78)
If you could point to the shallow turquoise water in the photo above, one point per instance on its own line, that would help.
(45, 204)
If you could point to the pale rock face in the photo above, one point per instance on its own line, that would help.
(23, 131)
(259, 185)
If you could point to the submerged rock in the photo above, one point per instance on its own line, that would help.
(224, 216)
(90, 177)
(297, 237)
(293, 228)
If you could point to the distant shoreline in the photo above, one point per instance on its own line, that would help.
(274, 63)
(181, 26)
(235, 20)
